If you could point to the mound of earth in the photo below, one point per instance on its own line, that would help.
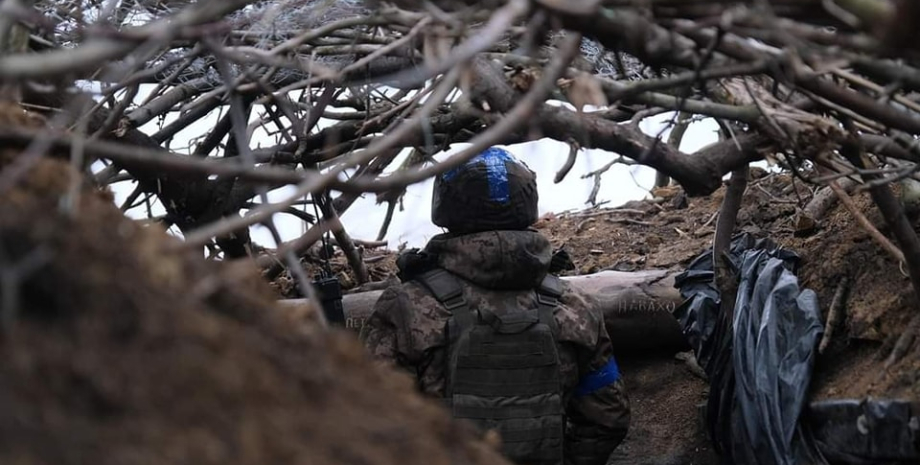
(670, 230)
(120, 347)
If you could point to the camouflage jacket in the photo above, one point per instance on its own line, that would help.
(407, 329)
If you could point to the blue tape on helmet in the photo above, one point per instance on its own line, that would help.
(496, 172)
(599, 379)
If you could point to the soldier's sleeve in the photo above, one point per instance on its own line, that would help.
(380, 331)
(598, 412)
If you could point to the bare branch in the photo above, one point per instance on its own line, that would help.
(97, 51)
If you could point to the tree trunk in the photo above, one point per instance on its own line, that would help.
(637, 307)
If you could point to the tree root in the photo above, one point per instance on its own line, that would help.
(904, 342)
(835, 314)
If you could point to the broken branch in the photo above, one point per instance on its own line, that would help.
(850, 205)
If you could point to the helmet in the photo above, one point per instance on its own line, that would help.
(493, 191)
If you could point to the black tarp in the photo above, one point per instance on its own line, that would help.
(759, 371)
(869, 431)
(760, 366)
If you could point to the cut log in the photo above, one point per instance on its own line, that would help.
(637, 308)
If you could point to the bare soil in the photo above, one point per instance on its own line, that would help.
(118, 347)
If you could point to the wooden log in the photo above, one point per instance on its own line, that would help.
(637, 307)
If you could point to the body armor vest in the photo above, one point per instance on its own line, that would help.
(503, 369)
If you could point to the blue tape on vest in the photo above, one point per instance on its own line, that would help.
(602, 377)
(496, 172)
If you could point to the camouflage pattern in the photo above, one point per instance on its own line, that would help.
(407, 328)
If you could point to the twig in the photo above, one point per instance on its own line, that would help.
(725, 228)
(151, 158)
(596, 174)
(850, 205)
(238, 111)
(370, 244)
(628, 221)
(484, 38)
(774, 198)
(674, 140)
(604, 212)
(297, 247)
(96, 51)
(496, 134)
(582, 225)
(711, 219)
(129, 201)
(619, 90)
(391, 208)
(835, 313)
(302, 215)
(569, 162)
(344, 241)
(185, 120)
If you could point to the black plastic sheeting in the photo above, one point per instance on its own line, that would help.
(866, 432)
(759, 372)
(760, 367)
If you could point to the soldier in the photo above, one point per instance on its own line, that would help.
(480, 323)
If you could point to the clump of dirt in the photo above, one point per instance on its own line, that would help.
(120, 347)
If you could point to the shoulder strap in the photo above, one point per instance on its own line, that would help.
(551, 286)
(445, 287)
(548, 293)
